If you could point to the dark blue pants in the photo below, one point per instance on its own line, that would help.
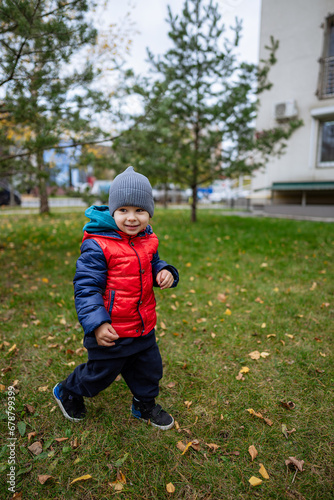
(137, 359)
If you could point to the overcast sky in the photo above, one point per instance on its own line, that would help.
(149, 17)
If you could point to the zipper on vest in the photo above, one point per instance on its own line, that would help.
(131, 243)
(111, 300)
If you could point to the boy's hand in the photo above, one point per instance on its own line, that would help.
(165, 279)
(105, 335)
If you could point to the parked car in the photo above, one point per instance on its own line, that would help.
(5, 196)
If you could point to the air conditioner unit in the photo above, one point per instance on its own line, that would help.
(285, 110)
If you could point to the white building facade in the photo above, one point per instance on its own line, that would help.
(302, 180)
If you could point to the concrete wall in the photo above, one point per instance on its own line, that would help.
(299, 27)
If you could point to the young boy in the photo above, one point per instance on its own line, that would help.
(114, 299)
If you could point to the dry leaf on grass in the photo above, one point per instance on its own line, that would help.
(263, 471)
(74, 443)
(31, 434)
(42, 478)
(259, 415)
(253, 452)
(298, 464)
(191, 444)
(17, 496)
(212, 446)
(170, 488)
(255, 481)
(288, 405)
(221, 297)
(286, 432)
(186, 448)
(29, 408)
(195, 445)
(81, 478)
(12, 348)
(36, 448)
(188, 404)
(243, 370)
(43, 388)
(258, 355)
(181, 446)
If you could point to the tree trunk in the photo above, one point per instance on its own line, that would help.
(11, 195)
(42, 185)
(194, 204)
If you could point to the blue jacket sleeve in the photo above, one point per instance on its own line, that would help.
(89, 285)
(158, 265)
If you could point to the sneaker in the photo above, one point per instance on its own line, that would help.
(153, 414)
(72, 406)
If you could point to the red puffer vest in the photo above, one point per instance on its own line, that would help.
(129, 296)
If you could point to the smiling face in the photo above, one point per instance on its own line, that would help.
(131, 220)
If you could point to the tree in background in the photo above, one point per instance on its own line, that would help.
(47, 82)
(199, 112)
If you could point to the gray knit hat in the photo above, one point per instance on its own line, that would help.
(131, 189)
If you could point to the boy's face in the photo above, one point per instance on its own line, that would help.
(131, 220)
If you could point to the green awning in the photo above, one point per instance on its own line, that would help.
(303, 186)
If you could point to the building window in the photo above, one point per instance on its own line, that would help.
(326, 83)
(326, 144)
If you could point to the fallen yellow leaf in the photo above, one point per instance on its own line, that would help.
(81, 478)
(255, 481)
(170, 488)
(244, 369)
(255, 354)
(117, 485)
(252, 412)
(253, 452)
(188, 445)
(43, 388)
(228, 312)
(263, 472)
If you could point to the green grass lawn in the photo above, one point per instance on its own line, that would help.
(246, 285)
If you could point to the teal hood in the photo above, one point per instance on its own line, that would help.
(100, 219)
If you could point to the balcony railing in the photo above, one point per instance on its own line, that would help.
(327, 80)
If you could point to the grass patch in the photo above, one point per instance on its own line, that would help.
(245, 285)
